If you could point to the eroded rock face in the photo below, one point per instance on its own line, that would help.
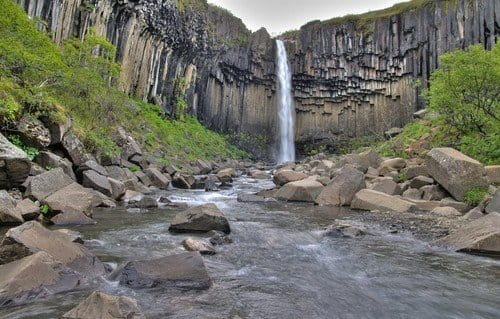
(32, 237)
(202, 218)
(479, 236)
(103, 306)
(33, 277)
(14, 164)
(456, 172)
(9, 215)
(71, 199)
(185, 271)
(46, 184)
(50, 161)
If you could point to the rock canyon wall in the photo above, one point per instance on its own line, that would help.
(351, 76)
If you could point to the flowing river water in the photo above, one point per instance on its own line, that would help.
(281, 266)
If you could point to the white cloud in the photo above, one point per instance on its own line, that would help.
(278, 16)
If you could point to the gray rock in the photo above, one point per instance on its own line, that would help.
(344, 185)
(493, 173)
(219, 238)
(344, 229)
(386, 185)
(9, 215)
(157, 178)
(494, 204)
(143, 178)
(202, 218)
(144, 202)
(117, 188)
(35, 277)
(186, 271)
(71, 235)
(252, 198)
(183, 181)
(28, 209)
(101, 305)
(433, 192)
(75, 149)
(96, 181)
(479, 236)
(71, 199)
(446, 212)
(371, 200)
(33, 133)
(306, 190)
(14, 164)
(49, 161)
(412, 193)
(197, 245)
(72, 218)
(32, 237)
(46, 184)
(456, 172)
(421, 181)
(413, 171)
(390, 165)
(226, 175)
(285, 176)
(393, 132)
(92, 165)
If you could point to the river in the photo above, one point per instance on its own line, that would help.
(281, 266)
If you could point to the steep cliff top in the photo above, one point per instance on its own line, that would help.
(367, 17)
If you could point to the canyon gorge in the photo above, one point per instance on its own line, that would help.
(352, 76)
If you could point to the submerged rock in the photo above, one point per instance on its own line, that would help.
(344, 229)
(186, 270)
(102, 306)
(202, 218)
(219, 238)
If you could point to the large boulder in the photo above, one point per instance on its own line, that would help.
(226, 175)
(183, 181)
(32, 237)
(202, 218)
(204, 166)
(117, 188)
(390, 165)
(371, 200)
(9, 215)
(70, 199)
(285, 176)
(32, 132)
(14, 164)
(49, 161)
(92, 165)
(386, 185)
(46, 184)
(186, 270)
(36, 276)
(361, 161)
(75, 149)
(102, 306)
(340, 192)
(157, 178)
(72, 218)
(456, 172)
(306, 190)
(100, 183)
(479, 236)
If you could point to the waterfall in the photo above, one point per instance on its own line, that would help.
(286, 116)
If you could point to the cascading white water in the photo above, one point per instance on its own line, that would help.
(286, 151)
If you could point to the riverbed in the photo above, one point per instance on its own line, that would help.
(282, 266)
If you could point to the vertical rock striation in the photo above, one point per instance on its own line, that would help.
(352, 76)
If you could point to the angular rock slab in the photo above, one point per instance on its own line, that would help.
(35, 276)
(479, 236)
(100, 183)
(306, 190)
(8, 212)
(341, 190)
(46, 184)
(186, 270)
(72, 198)
(32, 237)
(285, 176)
(102, 306)
(456, 172)
(14, 164)
(371, 200)
(494, 204)
(202, 218)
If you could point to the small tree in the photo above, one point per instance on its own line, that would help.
(465, 90)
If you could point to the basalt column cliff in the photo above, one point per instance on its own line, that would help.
(351, 76)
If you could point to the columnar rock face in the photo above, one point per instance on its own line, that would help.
(351, 78)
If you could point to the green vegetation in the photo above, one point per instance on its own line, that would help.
(475, 196)
(464, 100)
(30, 151)
(44, 209)
(37, 78)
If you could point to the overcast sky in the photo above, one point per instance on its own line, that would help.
(278, 16)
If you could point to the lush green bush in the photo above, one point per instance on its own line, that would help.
(475, 196)
(32, 152)
(465, 90)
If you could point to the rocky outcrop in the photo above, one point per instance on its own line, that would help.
(14, 164)
(202, 218)
(351, 77)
